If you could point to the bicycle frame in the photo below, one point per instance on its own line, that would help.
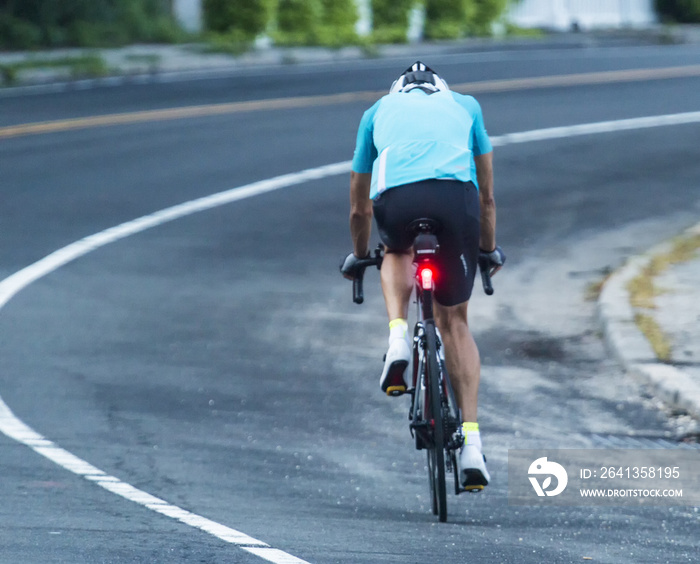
(434, 415)
(425, 248)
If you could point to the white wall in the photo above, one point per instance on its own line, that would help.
(189, 14)
(364, 23)
(588, 14)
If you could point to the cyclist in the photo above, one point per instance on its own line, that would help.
(422, 151)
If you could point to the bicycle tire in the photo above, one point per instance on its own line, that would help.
(453, 423)
(421, 409)
(437, 450)
(432, 482)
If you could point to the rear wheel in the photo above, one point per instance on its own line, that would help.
(433, 481)
(436, 453)
(453, 423)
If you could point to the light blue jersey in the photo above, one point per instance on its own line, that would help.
(413, 136)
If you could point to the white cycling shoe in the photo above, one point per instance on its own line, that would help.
(473, 474)
(393, 382)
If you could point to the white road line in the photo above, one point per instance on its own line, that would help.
(593, 128)
(274, 555)
(23, 278)
(11, 426)
(15, 429)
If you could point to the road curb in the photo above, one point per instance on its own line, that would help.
(156, 77)
(631, 347)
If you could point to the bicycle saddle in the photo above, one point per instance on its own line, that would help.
(424, 225)
(424, 231)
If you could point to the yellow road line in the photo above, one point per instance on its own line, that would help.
(344, 98)
(184, 112)
(604, 77)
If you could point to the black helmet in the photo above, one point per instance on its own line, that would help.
(419, 75)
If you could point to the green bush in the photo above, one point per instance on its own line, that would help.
(234, 42)
(249, 18)
(340, 13)
(447, 19)
(451, 19)
(444, 29)
(391, 34)
(485, 12)
(83, 66)
(513, 30)
(148, 19)
(97, 34)
(48, 22)
(682, 11)
(391, 12)
(18, 34)
(338, 22)
(298, 21)
(390, 20)
(52, 23)
(316, 22)
(123, 22)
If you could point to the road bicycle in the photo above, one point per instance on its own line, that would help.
(435, 418)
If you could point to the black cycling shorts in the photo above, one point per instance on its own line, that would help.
(455, 206)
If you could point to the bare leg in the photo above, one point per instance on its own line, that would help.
(397, 283)
(461, 356)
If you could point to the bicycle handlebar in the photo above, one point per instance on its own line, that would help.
(485, 275)
(358, 295)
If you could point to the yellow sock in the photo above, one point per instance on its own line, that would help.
(470, 430)
(398, 328)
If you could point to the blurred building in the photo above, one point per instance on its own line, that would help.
(562, 15)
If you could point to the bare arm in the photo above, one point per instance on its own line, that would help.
(484, 175)
(360, 212)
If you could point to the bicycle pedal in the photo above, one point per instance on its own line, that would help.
(395, 391)
(473, 489)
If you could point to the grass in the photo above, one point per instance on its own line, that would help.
(148, 59)
(516, 31)
(643, 291)
(684, 249)
(593, 290)
(657, 338)
(642, 288)
(234, 42)
(84, 66)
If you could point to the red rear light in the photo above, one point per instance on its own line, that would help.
(426, 277)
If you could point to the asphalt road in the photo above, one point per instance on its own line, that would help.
(218, 363)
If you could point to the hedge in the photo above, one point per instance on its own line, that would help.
(26, 24)
(485, 12)
(298, 21)
(244, 19)
(681, 11)
(340, 18)
(447, 19)
(316, 22)
(451, 19)
(390, 20)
